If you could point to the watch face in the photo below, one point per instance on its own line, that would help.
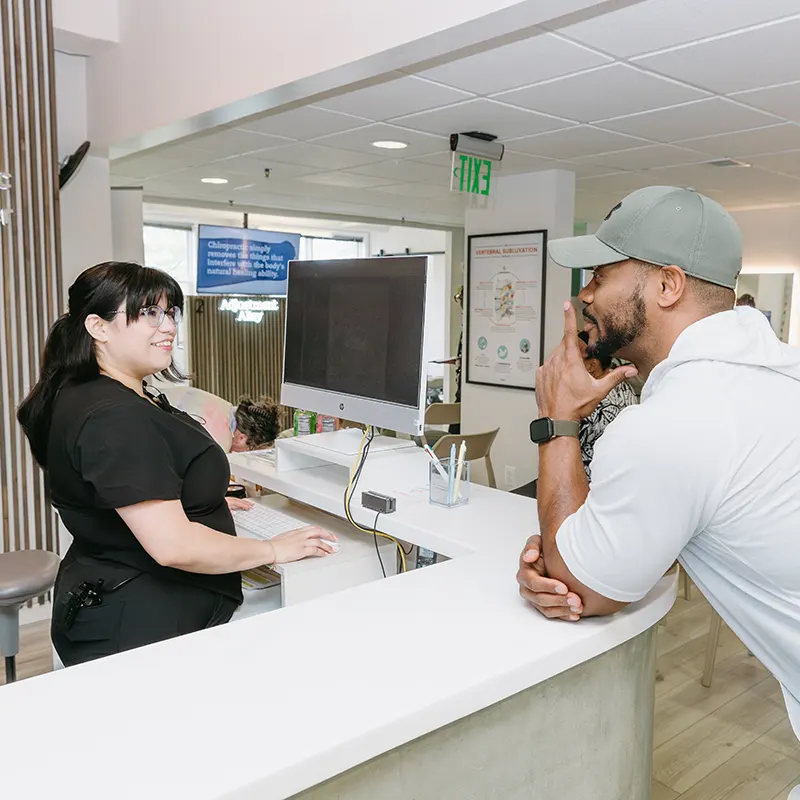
(541, 430)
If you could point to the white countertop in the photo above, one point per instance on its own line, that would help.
(271, 705)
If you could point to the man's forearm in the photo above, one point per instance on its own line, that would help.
(561, 490)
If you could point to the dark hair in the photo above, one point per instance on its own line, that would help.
(746, 300)
(258, 421)
(69, 353)
(603, 358)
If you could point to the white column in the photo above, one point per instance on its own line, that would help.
(85, 200)
(535, 201)
(127, 224)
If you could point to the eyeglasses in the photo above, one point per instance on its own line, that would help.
(154, 315)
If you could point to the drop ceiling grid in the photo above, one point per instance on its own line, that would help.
(654, 119)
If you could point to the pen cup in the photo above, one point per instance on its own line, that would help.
(445, 493)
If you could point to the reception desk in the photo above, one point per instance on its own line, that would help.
(436, 684)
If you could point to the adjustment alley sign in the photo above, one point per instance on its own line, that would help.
(473, 175)
(249, 310)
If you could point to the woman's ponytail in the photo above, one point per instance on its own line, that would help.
(67, 353)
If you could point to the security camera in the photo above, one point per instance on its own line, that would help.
(482, 145)
(267, 172)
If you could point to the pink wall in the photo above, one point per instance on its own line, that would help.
(181, 58)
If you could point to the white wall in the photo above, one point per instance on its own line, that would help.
(127, 224)
(85, 201)
(541, 200)
(771, 239)
(181, 58)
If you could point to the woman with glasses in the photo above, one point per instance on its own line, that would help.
(139, 485)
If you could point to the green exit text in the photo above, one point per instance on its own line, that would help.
(475, 175)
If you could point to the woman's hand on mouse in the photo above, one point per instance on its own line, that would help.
(302, 543)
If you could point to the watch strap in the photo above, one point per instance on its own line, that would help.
(566, 427)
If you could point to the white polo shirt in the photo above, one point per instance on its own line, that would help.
(707, 470)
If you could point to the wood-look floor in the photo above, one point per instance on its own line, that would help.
(729, 742)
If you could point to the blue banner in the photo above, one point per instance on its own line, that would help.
(244, 260)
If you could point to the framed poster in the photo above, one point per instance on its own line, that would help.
(505, 301)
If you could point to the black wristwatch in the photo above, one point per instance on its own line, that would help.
(544, 429)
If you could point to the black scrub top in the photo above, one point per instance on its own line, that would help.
(110, 448)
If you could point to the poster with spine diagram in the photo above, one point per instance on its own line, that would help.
(506, 284)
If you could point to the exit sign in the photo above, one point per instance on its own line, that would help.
(474, 175)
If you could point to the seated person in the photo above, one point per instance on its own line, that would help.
(256, 424)
(593, 426)
(250, 425)
(620, 397)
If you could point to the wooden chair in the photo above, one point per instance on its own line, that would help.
(479, 445)
(440, 414)
(443, 414)
(711, 648)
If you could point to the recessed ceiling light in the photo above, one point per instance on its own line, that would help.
(390, 145)
(213, 180)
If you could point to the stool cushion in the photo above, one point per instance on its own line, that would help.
(25, 574)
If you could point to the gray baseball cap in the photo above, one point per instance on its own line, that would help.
(662, 225)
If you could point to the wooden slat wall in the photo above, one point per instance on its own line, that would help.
(30, 270)
(229, 358)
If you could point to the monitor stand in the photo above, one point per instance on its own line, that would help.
(337, 447)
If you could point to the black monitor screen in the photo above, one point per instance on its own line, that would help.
(355, 326)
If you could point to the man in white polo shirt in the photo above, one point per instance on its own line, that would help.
(706, 469)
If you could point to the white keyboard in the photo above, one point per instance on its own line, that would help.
(265, 522)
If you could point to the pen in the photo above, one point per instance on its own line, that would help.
(436, 463)
(462, 451)
(452, 472)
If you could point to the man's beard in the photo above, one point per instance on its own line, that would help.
(627, 325)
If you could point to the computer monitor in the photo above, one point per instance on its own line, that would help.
(355, 340)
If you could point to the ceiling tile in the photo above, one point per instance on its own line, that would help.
(742, 181)
(574, 143)
(690, 121)
(488, 116)
(253, 166)
(619, 184)
(347, 179)
(307, 122)
(788, 163)
(361, 139)
(404, 95)
(160, 162)
(611, 91)
(747, 143)
(527, 61)
(323, 158)
(672, 22)
(233, 142)
(752, 59)
(656, 155)
(417, 190)
(409, 170)
(781, 100)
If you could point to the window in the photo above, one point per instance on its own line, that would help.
(323, 249)
(170, 250)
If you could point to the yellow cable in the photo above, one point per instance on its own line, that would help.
(348, 496)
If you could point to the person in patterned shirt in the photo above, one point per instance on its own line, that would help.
(592, 427)
(620, 397)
